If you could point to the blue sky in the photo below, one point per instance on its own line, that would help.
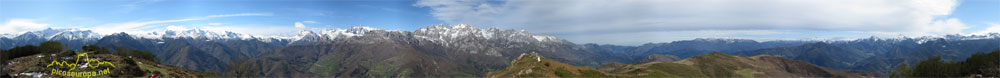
(625, 22)
(978, 13)
(257, 14)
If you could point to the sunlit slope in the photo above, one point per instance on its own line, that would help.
(713, 64)
(123, 66)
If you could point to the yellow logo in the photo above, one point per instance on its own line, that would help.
(93, 64)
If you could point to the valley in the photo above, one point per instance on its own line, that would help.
(468, 51)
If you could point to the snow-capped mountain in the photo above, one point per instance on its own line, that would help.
(973, 37)
(441, 34)
(438, 33)
(7, 35)
(58, 34)
(444, 33)
(922, 39)
(203, 49)
(723, 40)
(71, 37)
(197, 33)
(326, 35)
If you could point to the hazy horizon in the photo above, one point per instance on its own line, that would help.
(645, 21)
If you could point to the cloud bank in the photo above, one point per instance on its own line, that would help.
(910, 17)
(137, 26)
(300, 25)
(21, 25)
(993, 28)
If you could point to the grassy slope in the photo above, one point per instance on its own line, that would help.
(528, 65)
(707, 65)
(37, 64)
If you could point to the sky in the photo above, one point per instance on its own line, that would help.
(622, 22)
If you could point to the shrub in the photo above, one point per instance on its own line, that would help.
(661, 74)
(137, 54)
(592, 73)
(22, 51)
(96, 49)
(979, 64)
(678, 69)
(562, 72)
(51, 47)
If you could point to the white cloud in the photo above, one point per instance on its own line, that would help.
(132, 6)
(919, 17)
(949, 26)
(300, 25)
(176, 28)
(639, 38)
(21, 25)
(310, 22)
(282, 31)
(993, 28)
(215, 24)
(261, 31)
(136, 26)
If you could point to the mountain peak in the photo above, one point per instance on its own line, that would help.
(820, 45)
(50, 33)
(463, 26)
(445, 33)
(120, 34)
(528, 57)
(304, 33)
(196, 33)
(534, 65)
(718, 40)
(445, 27)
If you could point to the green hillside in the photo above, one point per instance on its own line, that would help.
(713, 64)
(979, 65)
(51, 60)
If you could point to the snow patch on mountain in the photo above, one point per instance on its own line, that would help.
(196, 33)
(446, 33)
(49, 34)
(974, 36)
(8, 35)
(722, 40)
(922, 41)
(330, 34)
(305, 34)
(441, 34)
(542, 37)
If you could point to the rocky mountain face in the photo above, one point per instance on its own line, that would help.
(210, 50)
(883, 54)
(467, 51)
(437, 51)
(117, 66)
(72, 37)
(707, 65)
(194, 49)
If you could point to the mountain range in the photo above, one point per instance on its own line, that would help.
(713, 64)
(467, 51)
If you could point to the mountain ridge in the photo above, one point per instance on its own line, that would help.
(447, 31)
(205, 50)
(713, 64)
